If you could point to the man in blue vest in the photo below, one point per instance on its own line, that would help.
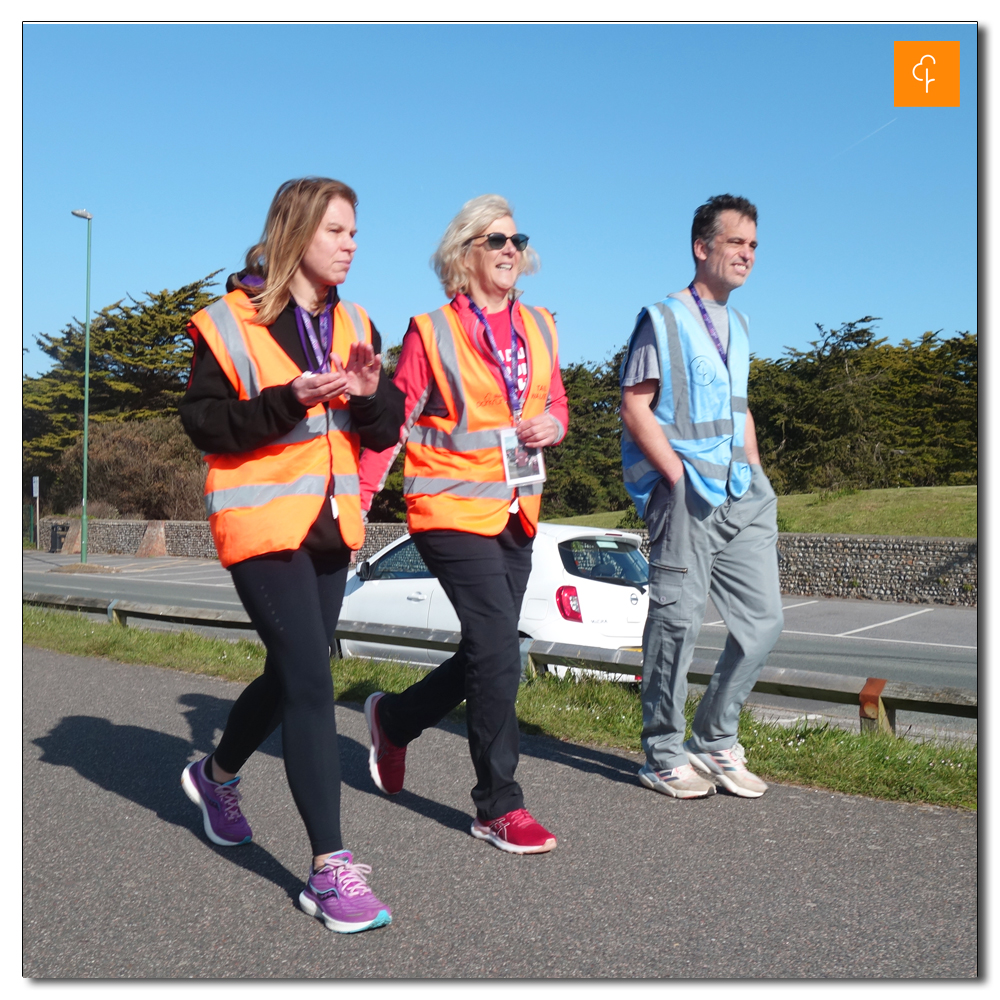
(691, 465)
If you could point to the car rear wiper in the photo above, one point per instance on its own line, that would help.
(621, 581)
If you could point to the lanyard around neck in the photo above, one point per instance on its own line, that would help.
(708, 323)
(307, 333)
(508, 371)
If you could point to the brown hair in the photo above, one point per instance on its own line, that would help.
(296, 212)
(705, 226)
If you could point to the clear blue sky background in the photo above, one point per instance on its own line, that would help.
(605, 138)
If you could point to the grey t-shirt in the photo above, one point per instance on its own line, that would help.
(644, 361)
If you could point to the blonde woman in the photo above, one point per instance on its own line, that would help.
(286, 388)
(482, 366)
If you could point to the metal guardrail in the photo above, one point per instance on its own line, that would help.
(877, 699)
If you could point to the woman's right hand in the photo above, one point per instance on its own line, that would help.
(311, 389)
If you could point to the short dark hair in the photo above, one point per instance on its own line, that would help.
(705, 226)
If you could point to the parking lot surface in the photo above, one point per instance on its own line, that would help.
(119, 881)
(934, 644)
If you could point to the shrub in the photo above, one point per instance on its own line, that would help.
(148, 468)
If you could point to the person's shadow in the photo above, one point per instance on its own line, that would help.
(145, 766)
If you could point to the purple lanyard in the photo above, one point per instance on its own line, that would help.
(320, 347)
(506, 370)
(708, 323)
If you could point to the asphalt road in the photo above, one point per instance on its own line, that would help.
(119, 880)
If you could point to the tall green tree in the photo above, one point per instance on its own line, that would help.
(585, 470)
(855, 411)
(140, 357)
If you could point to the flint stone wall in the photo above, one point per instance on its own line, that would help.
(906, 570)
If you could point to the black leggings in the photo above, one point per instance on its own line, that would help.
(293, 599)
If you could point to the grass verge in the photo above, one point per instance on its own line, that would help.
(920, 511)
(590, 712)
(923, 511)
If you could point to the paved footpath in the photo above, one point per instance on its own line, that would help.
(119, 880)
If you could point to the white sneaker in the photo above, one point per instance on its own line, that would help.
(680, 782)
(729, 768)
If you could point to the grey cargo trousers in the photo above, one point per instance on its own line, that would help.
(696, 550)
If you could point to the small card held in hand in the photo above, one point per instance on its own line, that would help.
(521, 465)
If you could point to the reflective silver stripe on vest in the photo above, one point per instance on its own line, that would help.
(229, 330)
(531, 490)
(449, 361)
(347, 485)
(635, 472)
(709, 469)
(739, 404)
(456, 441)
(316, 426)
(678, 374)
(458, 487)
(694, 432)
(543, 329)
(739, 453)
(258, 494)
(355, 316)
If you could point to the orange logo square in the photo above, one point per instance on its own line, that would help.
(925, 74)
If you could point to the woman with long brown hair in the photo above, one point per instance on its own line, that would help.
(286, 388)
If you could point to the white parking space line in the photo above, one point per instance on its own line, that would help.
(865, 628)
(138, 568)
(860, 638)
(873, 638)
(785, 607)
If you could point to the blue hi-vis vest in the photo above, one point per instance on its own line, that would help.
(702, 408)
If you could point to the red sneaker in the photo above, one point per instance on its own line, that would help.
(386, 761)
(515, 832)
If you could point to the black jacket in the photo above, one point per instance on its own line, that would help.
(219, 422)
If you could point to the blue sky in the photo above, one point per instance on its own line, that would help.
(604, 137)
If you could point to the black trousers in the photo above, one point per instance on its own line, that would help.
(293, 599)
(485, 579)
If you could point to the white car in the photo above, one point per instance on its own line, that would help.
(588, 587)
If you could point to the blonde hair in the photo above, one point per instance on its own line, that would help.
(449, 258)
(296, 212)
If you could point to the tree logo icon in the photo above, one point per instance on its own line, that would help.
(922, 72)
(916, 65)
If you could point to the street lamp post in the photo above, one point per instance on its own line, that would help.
(81, 213)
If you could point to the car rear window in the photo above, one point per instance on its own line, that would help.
(403, 563)
(610, 560)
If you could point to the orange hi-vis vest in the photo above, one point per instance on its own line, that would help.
(453, 476)
(266, 500)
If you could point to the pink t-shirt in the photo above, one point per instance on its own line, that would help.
(500, 325)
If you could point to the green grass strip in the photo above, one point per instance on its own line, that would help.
(590, 712)
(923, 511)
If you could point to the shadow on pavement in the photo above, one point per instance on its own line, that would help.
(145, 766)
(206, 715)
(581, 758)
(354, 772)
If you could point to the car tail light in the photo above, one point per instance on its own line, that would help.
(568, 602)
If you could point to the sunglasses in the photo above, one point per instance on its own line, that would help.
(497, 241)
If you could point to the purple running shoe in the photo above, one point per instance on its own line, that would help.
(339, 896)
(225, 825)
